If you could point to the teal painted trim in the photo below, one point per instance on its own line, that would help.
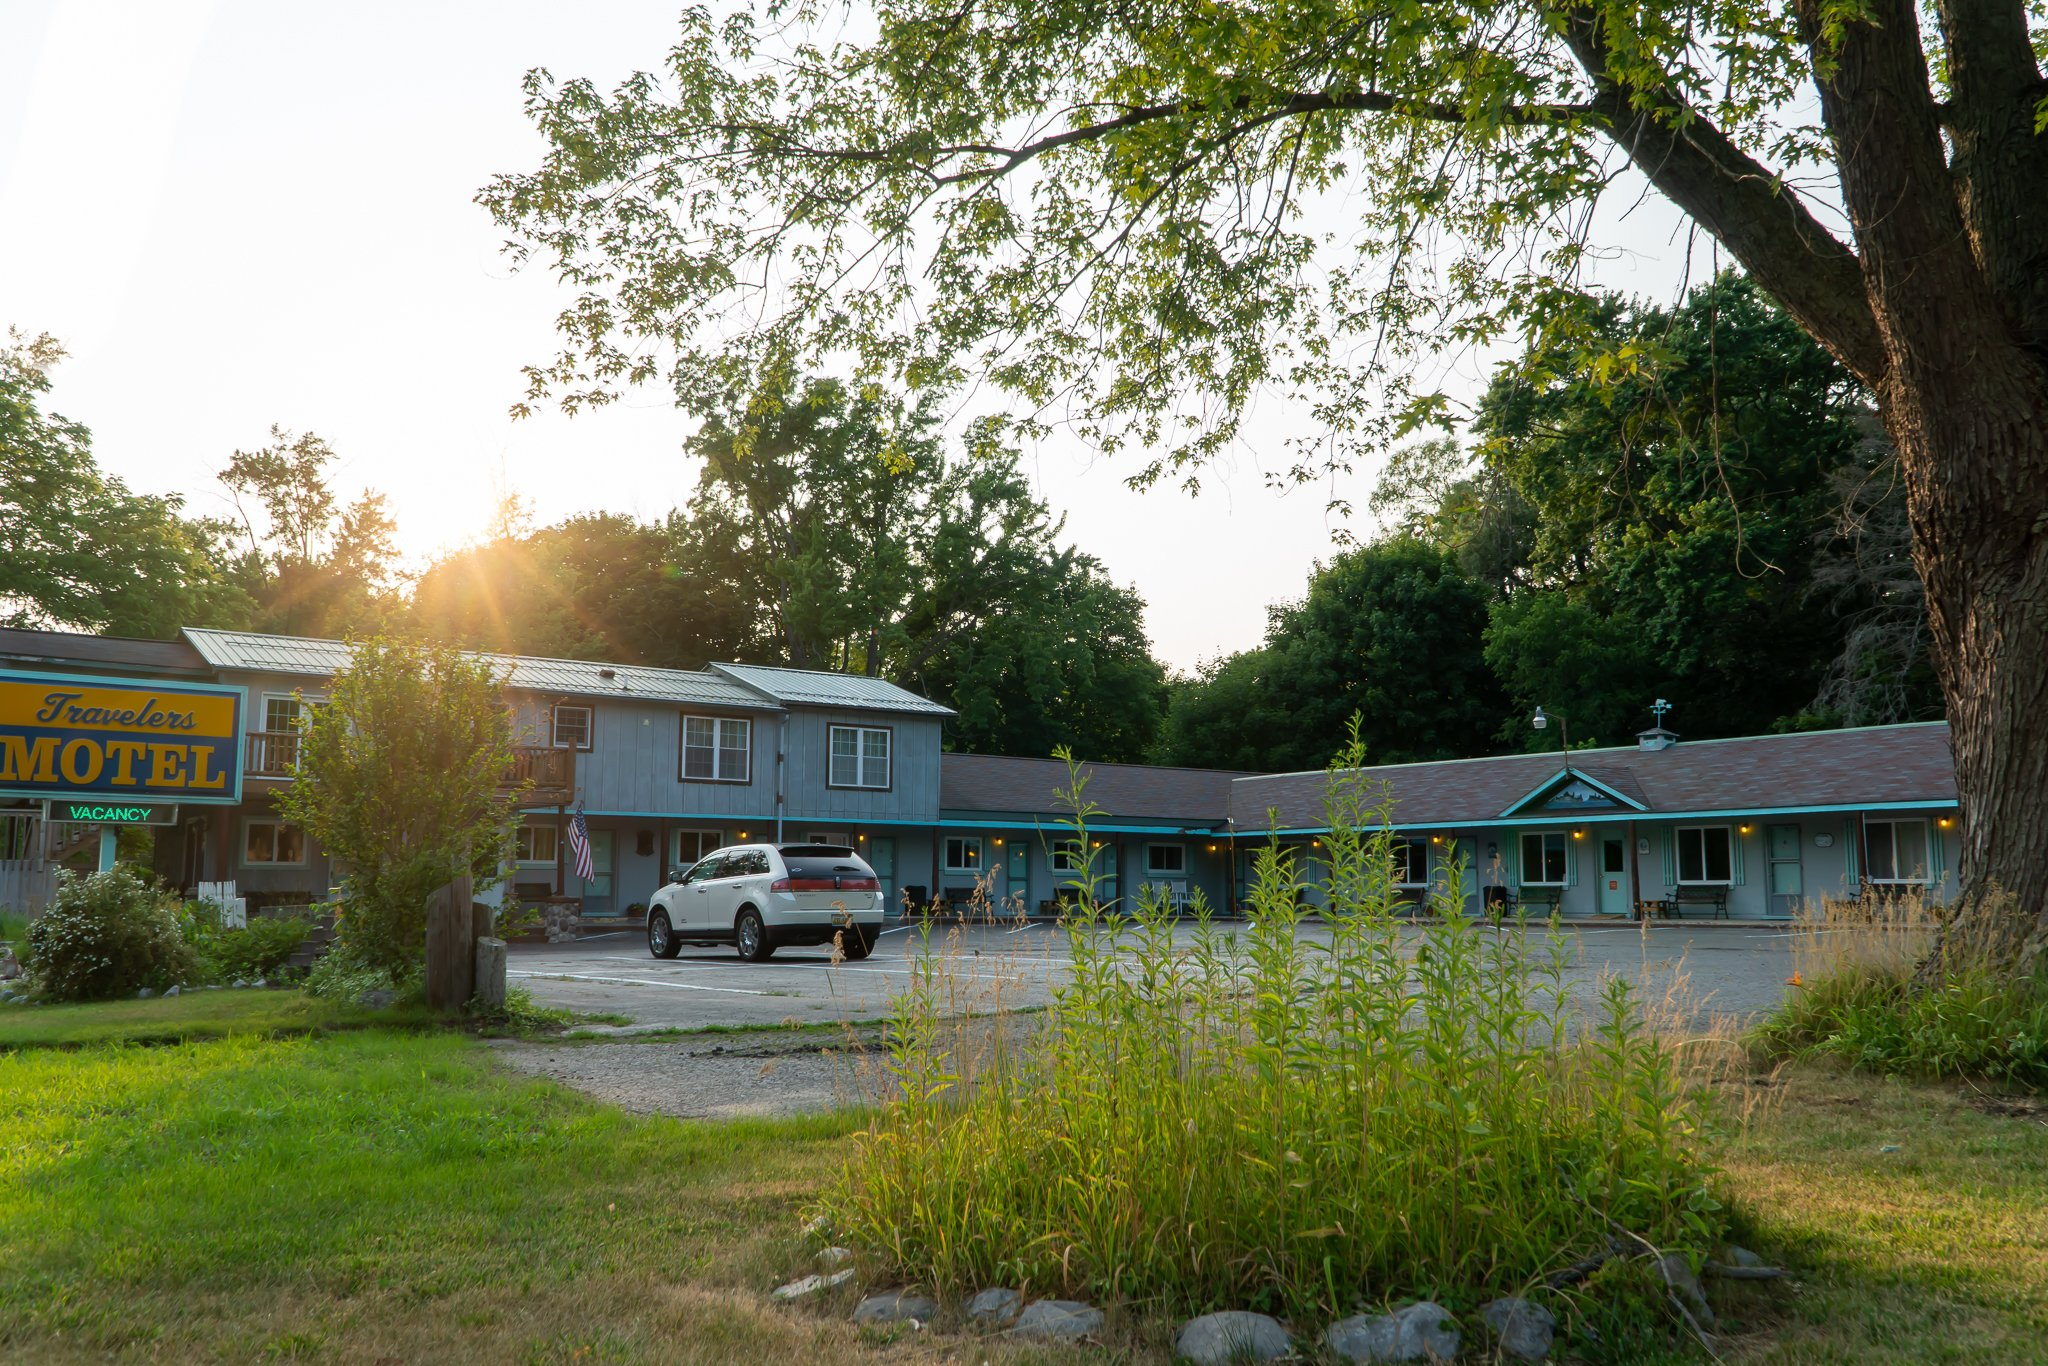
(1569, 772)
(1617, 818)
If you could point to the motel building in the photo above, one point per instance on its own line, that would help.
(189, 741)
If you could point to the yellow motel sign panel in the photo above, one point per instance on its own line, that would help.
(130, 742)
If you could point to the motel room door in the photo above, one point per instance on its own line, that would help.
(1615, 895)
(597, 893)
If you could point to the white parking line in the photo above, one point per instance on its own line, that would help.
(635, 982)
(817, 965)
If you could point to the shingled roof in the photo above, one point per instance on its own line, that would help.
(997, 783)
(1828, 769)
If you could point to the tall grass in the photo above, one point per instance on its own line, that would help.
(1860, 1002)
(1266, 1118)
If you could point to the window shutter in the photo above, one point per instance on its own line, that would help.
(1670, 841)
(1571, 858)
(1851, 854)
(1511, 867)
(1735, 843)
(1937, 857)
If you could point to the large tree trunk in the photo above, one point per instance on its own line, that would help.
(1964, 393)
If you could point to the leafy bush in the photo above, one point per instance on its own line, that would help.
(1860, 1002)
(1276, 1121)
(105, 935)
(346, 974)
(261, 948)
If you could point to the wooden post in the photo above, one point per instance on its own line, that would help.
(451, 947)
(490, 973)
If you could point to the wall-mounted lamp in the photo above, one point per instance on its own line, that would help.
(1945, 822)
(743, 834)
(1578, 834)
(862, 838)
(1098, 844)
(999, 841)
(1316, 843)
(1744, 828)
(1212, 848)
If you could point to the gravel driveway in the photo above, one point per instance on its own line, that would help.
(708, 1076)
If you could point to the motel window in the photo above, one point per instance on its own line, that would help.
(717, 749)
(693, 845)
(1543, 858)
(1705, 854)
(1166, 859)
(572, 727)
(963, 853)
(831, 837)
(860, 757)
(1411, 862)
(1069, 857)
(272, 843)
(1898, 850)
(535, 843)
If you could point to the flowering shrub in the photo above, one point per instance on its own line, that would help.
(106, 935)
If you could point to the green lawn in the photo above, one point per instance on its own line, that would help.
(185, 1018)
(386, 1196)
(1937, 1252)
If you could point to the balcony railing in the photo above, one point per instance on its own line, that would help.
(272, 753)
(544, 770)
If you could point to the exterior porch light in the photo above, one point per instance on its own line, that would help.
(1578, 834)
(999, 841)
(1744, 827)
(1945, 822)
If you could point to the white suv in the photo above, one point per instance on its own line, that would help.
(759, 897)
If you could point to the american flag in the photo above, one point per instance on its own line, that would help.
(579, 845)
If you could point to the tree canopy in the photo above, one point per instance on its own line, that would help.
(83, 551)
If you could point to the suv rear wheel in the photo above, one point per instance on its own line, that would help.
(855, 943)
(752, 937)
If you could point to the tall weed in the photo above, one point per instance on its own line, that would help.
(1858, 1002)
(1258, 1117)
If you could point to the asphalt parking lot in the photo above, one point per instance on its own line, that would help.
(1734, 970)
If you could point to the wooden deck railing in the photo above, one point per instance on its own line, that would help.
(272, 753)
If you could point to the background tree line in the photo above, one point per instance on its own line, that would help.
(1689, 502)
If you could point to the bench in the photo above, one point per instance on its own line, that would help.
(1715, 898)
(1503, 902)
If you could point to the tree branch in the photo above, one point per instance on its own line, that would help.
(1699, 168)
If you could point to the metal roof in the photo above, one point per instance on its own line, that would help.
(254, 652)
(1867, 766)
(814, 688)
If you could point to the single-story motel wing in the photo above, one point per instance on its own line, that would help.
(195, 737)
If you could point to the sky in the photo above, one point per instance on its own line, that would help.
(240, 214)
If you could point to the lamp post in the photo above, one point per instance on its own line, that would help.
(1541, 721)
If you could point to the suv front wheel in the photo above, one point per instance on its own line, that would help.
(661, 938)
(752, 937)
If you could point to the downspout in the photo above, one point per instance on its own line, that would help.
(1635, 872)
(781, 756)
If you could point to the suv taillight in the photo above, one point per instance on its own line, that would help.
(780, 884)
(825, 884)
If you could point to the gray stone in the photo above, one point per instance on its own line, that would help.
(1232, 1336)
(213, 986)
(995, 1306)
(1525, 1330)
(10, 966)
(1742, 1256)
(144, 994)
(896, 1306)
(172, 990)
(836, 1256)
(241, 982)
(1889, 1148)
(1421, 1332)
(261, 984)
(1677, 1273)
(1058, 1319)
(810, 1285)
